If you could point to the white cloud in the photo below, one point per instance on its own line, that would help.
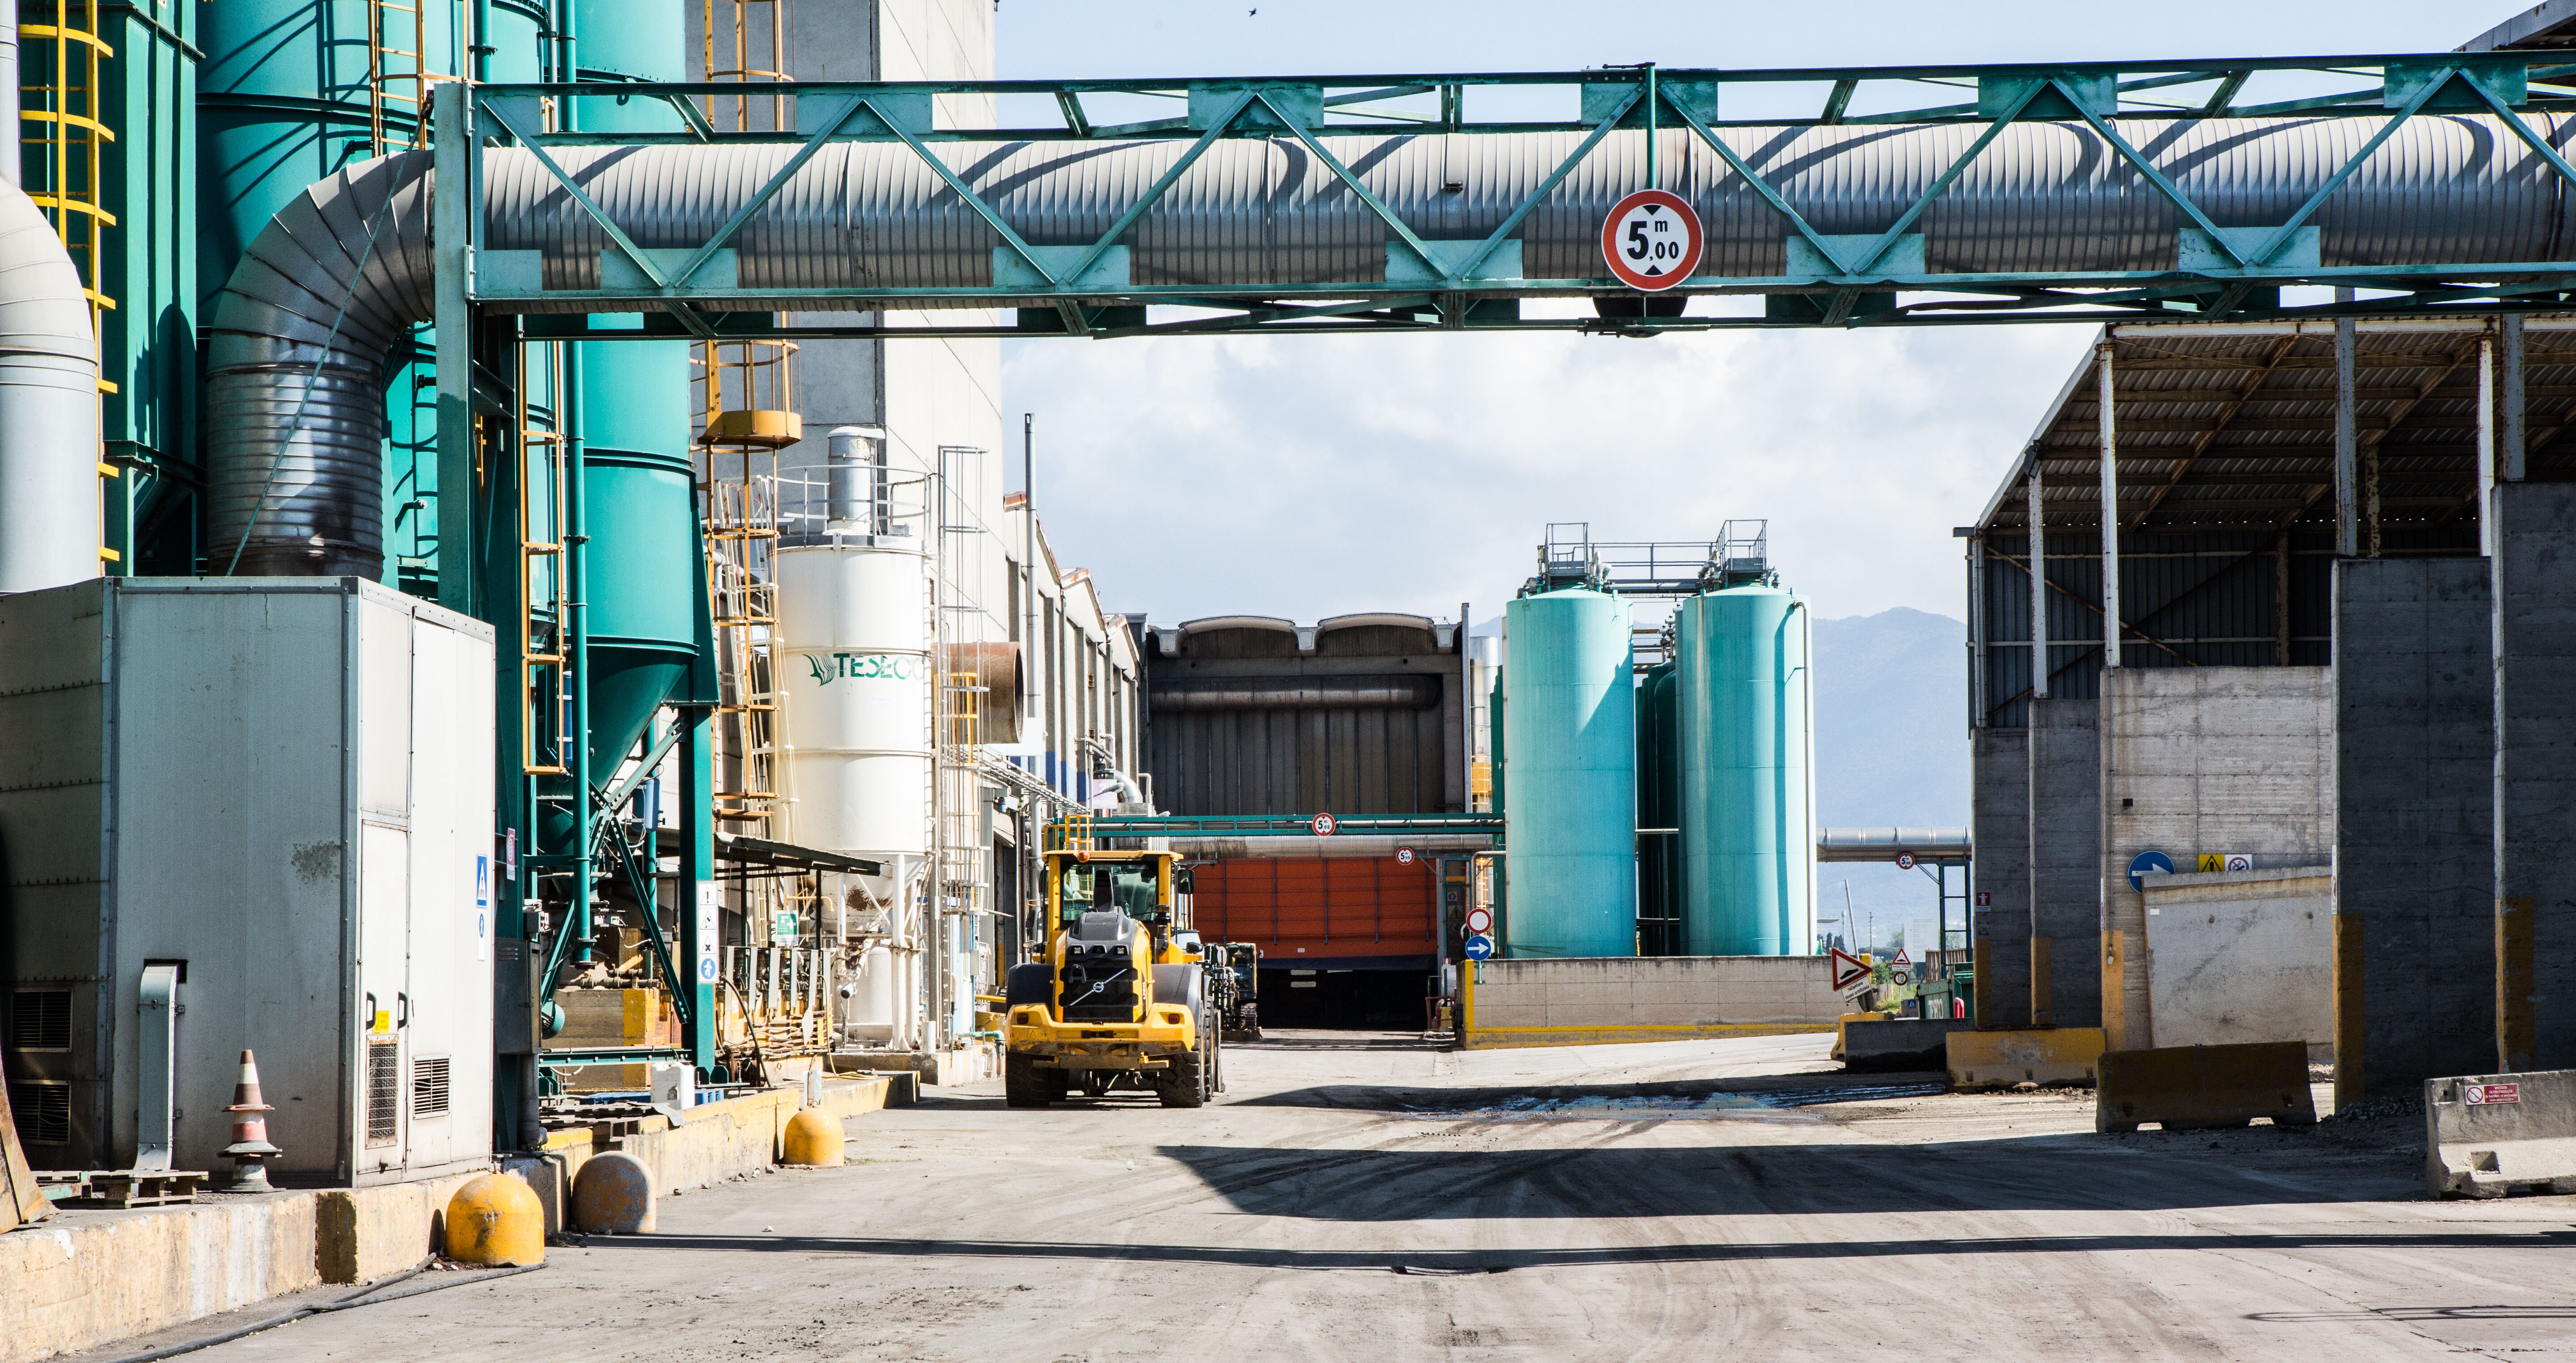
(1308, 475)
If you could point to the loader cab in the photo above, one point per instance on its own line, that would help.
(1149, 887)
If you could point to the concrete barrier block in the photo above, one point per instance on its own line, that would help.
(2190, 1088)
(2042, 1055)
(1844, 1020)
(2488, 1134)
(1899, 1044)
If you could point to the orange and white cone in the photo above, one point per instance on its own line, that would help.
(250, 1149)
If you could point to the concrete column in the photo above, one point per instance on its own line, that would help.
(1999, 794)
(2414, 824)
(2065, 862)
(2534, 652)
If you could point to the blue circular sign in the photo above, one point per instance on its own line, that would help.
(2144, 862)
(1480, 947)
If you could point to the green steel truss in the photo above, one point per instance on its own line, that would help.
(1853, 283)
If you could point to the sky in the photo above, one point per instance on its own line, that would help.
(1310, 476)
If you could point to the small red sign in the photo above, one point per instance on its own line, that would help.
(1404, 856)
(2480, 1095)
(1905, 861)
(1651, 240)
(1325, 824)
(1985, 899)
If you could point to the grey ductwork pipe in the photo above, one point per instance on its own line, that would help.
(296, 423)
(49, 501)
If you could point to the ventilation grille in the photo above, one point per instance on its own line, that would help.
(40, 1020)
(384, 1094)
(429, 1087)
(44, 1112)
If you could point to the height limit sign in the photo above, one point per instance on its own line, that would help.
(1651, 240)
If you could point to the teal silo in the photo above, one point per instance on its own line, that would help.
(1747, 813)
(633, 417)
(1659, 800)
(1570, 725)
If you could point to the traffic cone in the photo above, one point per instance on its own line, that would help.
(250, 1148)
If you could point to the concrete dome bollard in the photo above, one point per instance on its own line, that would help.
(613, 1195)
(496, 1219)
(813, 1138)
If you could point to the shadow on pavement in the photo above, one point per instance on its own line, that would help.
(1430, 1261)
(1827, 1085)
(1601, 1181)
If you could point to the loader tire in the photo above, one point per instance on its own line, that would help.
(1185, 1083)
(1025, 1085)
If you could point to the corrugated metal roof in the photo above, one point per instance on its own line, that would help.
(2230, 427)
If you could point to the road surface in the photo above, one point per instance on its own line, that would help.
(1367, 1197)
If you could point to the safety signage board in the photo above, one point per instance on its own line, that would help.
(1480, 947)
(710, 917)
(1905, 861)
(1849, 970)
(1901, 958)
(1325, 824)
(1652, 240)
(1902, 978)
(2481, 1094)
(1480, 921)
(2226, 861)
(1404, 856)
(2158, 862)
(1985, 899)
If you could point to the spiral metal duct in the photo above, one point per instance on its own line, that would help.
(303, 324)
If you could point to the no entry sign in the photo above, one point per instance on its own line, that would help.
(1651, 240)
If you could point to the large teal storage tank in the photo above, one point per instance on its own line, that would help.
(633, 408)
(1659, 802)
(1570, 724)
(1747, 812)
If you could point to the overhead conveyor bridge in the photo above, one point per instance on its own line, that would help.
(2434, 184)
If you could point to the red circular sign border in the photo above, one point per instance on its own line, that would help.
(1643, 283)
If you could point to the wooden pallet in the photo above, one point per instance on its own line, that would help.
(144, 1187)
(62, 1185)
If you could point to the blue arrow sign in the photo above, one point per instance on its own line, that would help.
(1480, 947)
(2144, 862)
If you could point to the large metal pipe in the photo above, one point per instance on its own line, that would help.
(10, 135)
(49, 502)
(299, 332)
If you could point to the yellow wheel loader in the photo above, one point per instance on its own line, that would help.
(1120, 998)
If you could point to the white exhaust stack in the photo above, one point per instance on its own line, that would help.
(49, 507)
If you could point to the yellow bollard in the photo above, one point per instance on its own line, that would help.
(813, 1138)
(496, 1219)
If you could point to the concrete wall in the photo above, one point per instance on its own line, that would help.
(2534, 617)
(1999, 764)
(2065, 862)
(2198, 760)
(2414, 823)
(1589, 1000)
(82, 1278)
(2242, 956)
(715, 1142)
